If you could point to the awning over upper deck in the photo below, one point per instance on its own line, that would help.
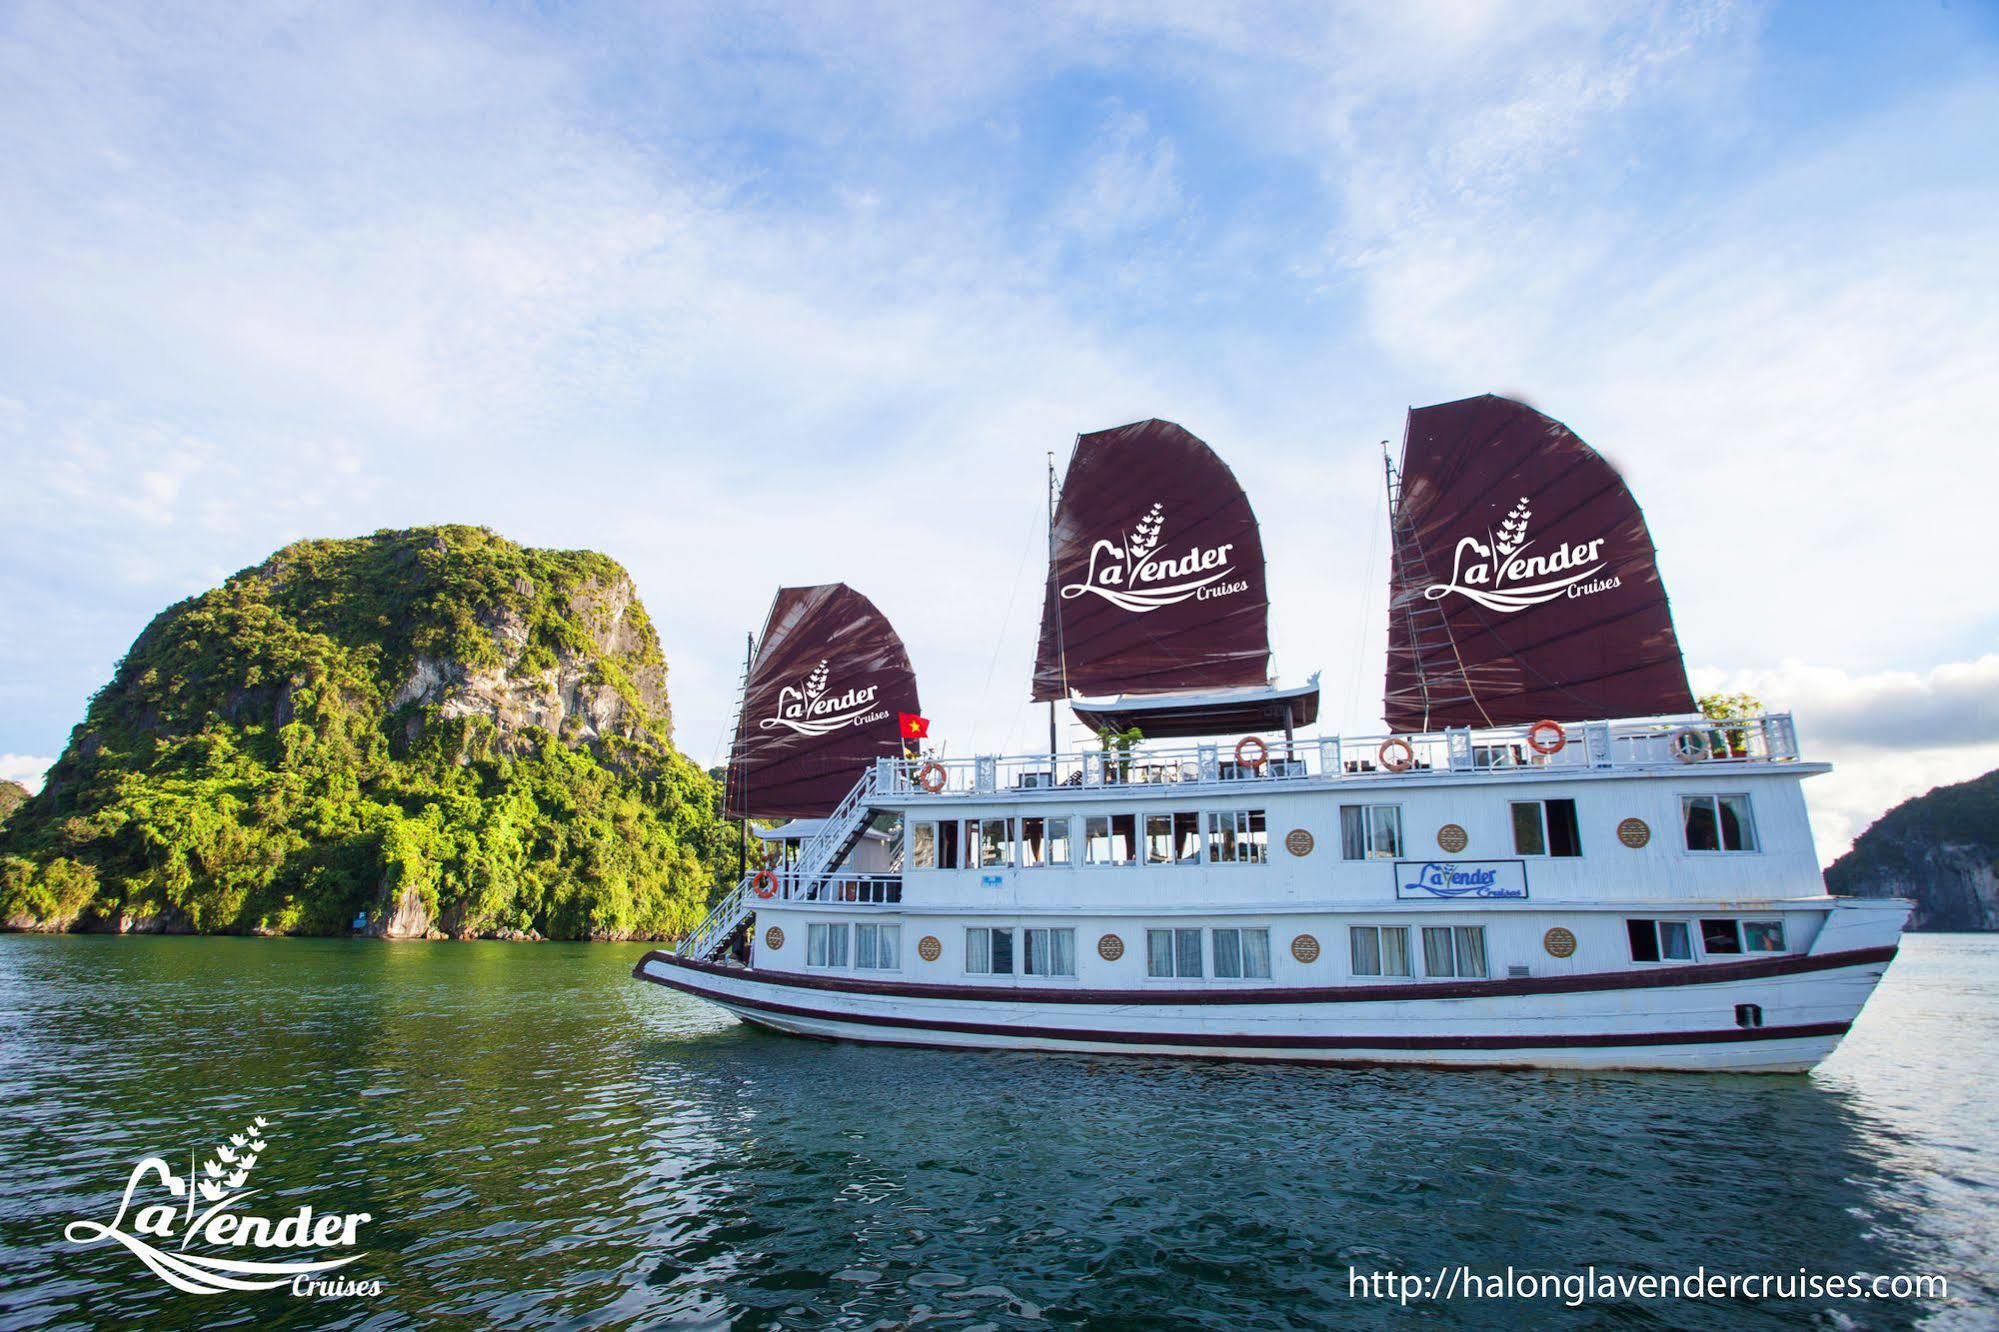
(1207, 712)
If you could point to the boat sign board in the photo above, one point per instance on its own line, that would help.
(1471, 880)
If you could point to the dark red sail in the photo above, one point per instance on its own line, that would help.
(1156, 578)
(829, 678)
(1525, 584)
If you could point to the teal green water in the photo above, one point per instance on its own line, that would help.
(547, 1143)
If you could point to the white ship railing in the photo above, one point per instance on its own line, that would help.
(1499, 750)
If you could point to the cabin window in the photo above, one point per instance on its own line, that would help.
(1379, 950)
(1370, 832)
(988, 952)
(1660, 940)
(995, 842)
(1545, 828)
(947, 845)
(1720, 936)
(1762, 936)
(923, 846)
(1172, 839)
(1238, 836)
(1718, 823)
(1111, 839)
(1171, 954)
(1454, 950)
(1241, 954)
(825, 945)
(1049, 952)
(1044, 842)
(875, 947)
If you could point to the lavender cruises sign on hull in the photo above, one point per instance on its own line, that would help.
(1469, 880)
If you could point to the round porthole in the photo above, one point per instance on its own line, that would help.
(773, 938)
(1634, 833)
(1298, 842)
(1452, 839)
(928, 948)
(1305, 948)
(1559, 942)
(1110, 948)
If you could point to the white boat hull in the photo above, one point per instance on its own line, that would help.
(1682, 1018)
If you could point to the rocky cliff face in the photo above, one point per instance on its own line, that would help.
(12, 796)
(1939, 849)
(436, 731)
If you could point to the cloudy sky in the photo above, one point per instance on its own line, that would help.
(746, 295)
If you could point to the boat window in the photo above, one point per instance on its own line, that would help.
(1454, 950)
(825, 945)
(1660, 940)
(1172, 839)
(1718, 823)
(1379, 950)
(1049, 952)
(1111, 839)
(1044, 842)
(1238, 836)
(1644, 940)
(1720, 936)
(1241, 954)
(875, 947)
(995, 842)
(1762, 936)
(1370, 832)
(1173, 954)
(947, 845)
(923, 846)
(1545, 828)
(988, 952)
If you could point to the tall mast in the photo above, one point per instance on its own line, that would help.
(1054, 744)
(743, 851)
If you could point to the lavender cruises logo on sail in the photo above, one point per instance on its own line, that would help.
(1136, 575)
(1485, 880)
(194, 1236)
(1501, 575)
(812, 709)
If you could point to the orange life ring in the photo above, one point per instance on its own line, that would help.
(1262, 752)
(931, 777)
(764, 884)
(1540, 746)
(1689, 752)
(1402, 764)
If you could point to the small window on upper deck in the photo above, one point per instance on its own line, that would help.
(1546, 828)
(1044, 841)
(947, 845)
(1238, 836)
(1718, 823)
(1110, 839)
(995, 841)
(1370, 832)
(923, 846)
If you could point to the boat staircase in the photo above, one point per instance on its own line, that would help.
(818, 857)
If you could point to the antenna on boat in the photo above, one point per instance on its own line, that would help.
(743, 771)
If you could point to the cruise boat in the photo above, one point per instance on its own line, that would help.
(1549, 857)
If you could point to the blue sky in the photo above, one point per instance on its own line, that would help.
(749, 294)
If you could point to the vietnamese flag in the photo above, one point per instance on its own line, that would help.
(914, 727)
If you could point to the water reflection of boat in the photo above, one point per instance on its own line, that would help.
(1550, 859)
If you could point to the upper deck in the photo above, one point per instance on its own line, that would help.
(1588, 749)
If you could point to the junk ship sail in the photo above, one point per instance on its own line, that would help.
(1549, 859)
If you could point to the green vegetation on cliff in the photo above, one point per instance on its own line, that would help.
(438, 728)
(12, 794)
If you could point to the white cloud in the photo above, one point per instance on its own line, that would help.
(1132, 181)
(27, 769)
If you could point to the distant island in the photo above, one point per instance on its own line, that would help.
(1941, 849)
(432, 732)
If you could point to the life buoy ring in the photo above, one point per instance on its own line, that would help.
(931, 777)
(1689, 745)
(1547, 737)
(764, 884)
(1247, 744)
(1406, 751)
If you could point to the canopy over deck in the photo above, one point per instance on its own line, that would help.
(1207, 712)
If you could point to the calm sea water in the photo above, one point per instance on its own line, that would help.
(546, 1142)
